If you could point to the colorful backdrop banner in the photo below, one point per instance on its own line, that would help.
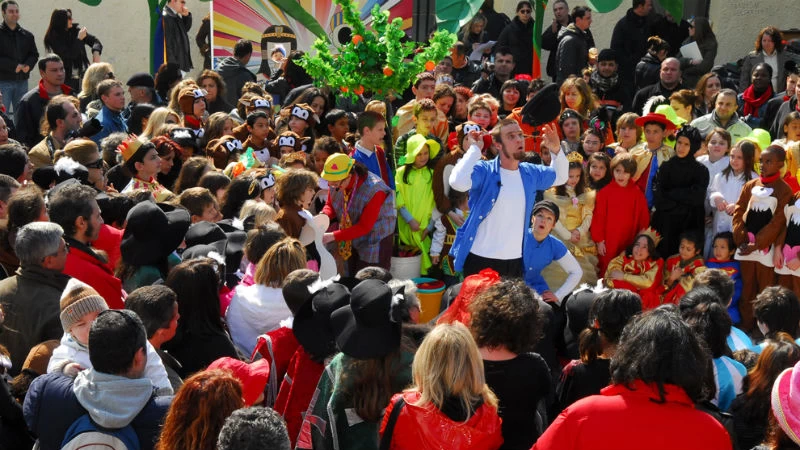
(268, 25)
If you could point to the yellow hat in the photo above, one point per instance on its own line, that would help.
(337, 167)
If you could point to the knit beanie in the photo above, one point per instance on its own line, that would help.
(77, 300)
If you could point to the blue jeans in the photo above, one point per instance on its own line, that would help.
(12, 93)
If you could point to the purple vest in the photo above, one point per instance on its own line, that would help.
(367, 245)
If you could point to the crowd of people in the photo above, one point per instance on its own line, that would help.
(212, 263)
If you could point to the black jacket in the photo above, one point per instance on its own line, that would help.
(490, 85)
(550, 43)
(29, 116)
(176, 39)
(235, 75)
(646, 92)
(468, 74)
(572, 55)
(630, 42)
(16, 47)
(647, 70)
(71, 51)
(777, 125)
(519, 38)
(773, 105)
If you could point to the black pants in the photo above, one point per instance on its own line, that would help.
(505, 267)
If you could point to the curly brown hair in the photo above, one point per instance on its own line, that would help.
(506, 315)
(772, 32)
(290, 186)
(199, 410)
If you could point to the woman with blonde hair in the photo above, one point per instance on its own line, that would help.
(157, 122)
(260, 308)
(449, 404)
(199, 410)
(261, 213)
(94, 74)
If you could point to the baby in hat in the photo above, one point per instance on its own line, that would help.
(80, 306)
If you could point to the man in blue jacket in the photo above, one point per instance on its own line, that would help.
(494, 233)
(114, 392)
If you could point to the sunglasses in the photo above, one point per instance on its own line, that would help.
(95, 165)
(525, 11)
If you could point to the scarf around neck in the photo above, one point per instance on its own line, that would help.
(602, 83)
(752, 103)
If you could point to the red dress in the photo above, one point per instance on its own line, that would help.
(620, 213)
(683, 284)
(643, 278)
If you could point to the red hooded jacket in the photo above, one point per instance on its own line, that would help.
(427, 428)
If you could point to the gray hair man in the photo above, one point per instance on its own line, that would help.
(30, 299)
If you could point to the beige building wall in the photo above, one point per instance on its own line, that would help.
(123, 26)
(735, 22)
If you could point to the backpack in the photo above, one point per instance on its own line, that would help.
(84, 433)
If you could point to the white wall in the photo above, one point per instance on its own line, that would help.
(123, 26)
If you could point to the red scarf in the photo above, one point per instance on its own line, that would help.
(771, 179)
(751, 103)
(46, 96)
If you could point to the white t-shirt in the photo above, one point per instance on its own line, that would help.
(499, 234)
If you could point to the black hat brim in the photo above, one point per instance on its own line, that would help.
(543, 108)
(363, 342)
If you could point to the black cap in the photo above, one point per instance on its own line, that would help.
(607, 54)
(548, 205)
(142, 79)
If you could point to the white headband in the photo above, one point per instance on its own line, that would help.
(286, 141)
(233, 145)
(300, 112)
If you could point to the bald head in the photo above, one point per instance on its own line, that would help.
(670, 74)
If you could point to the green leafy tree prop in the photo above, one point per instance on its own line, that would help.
(374, 60)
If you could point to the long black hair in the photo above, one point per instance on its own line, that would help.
(57, 29)
(608, 315)
(658, 347)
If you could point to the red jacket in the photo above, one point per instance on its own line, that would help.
(109, 241)
(624, 419)
(619, 214)
(427, 428)
(296, 391)
(278, 347)
(92, 271)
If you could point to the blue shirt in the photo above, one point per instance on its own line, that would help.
(538, 255)
(372, 164)
(728, 375)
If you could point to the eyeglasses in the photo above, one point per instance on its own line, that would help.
(95, 165)
(525, 11)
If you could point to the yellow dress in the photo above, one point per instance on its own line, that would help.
(575, 213)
